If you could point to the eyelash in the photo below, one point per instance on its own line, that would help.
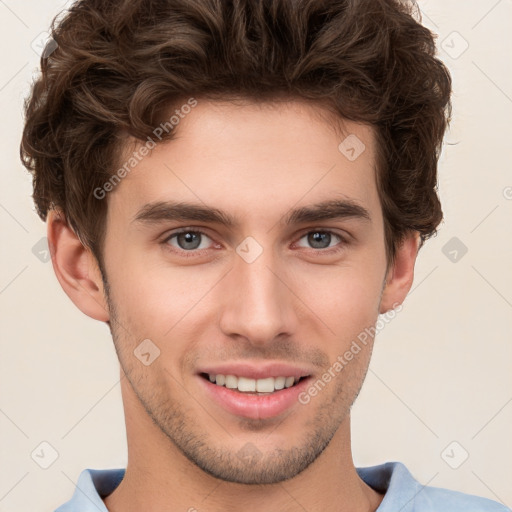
(198, 252)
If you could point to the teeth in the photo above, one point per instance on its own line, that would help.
(289, 382)
(231, 382)
(264, 385)
(279, 382)
(245, 385)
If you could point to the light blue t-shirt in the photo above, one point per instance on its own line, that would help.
(401, 492)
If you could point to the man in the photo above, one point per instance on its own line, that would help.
(239, 189)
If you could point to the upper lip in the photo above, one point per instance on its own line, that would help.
(256, 371)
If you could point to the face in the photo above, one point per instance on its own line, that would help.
(275, 292)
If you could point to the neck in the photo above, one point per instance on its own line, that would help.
(159, 477)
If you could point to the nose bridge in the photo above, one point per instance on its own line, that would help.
(256, 303)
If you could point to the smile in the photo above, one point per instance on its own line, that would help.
(253, 386)
(257, 399)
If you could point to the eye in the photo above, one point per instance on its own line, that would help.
(321, 239)
(187, 240)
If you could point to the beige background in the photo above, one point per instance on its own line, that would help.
(441, 371)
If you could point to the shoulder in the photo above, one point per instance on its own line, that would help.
(92, 486)
(435, 498)
(403, 492)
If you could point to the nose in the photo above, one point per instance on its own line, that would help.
(257, 302)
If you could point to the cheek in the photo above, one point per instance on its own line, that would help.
(155, 300)
(351, 311)
(345, 298)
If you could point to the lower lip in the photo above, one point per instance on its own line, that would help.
(254, 406)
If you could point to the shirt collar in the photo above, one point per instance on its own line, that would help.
(392, 479)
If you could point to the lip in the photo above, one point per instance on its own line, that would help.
(256, 407)
(257, 370)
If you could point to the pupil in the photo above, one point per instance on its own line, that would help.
(316, 238)
(190, 239)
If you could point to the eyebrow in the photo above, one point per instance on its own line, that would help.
(161, 211)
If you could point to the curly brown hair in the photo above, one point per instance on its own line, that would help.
(120, 64)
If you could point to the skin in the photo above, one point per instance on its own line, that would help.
(293, 304)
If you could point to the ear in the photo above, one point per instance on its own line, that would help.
(400, 275)
(76, 268)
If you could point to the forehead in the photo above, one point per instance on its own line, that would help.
(254, 157)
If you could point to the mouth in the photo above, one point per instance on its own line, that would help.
(258, 399)
(248, 386)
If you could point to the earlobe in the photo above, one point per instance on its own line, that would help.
(76, 268)
(400, 275)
